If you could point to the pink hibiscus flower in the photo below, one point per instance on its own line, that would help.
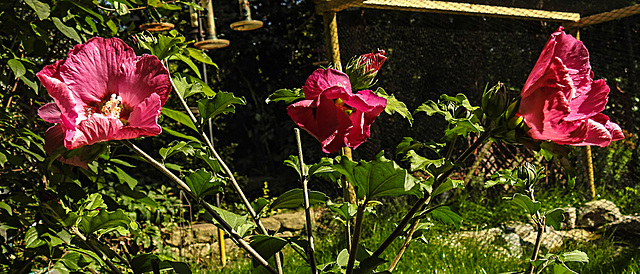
(102, 92)
(332, 113)
(561, 102)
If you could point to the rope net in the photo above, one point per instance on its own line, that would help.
(437, 47)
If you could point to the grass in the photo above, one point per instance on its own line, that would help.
(438, 253)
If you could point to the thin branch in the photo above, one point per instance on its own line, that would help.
(357, 229)
(93, 248)
(307, 212)
(238, 239)
(407, 240)
(422, 201)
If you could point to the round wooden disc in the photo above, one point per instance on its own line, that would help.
(246, 25)
(212, 44)
(156, 26)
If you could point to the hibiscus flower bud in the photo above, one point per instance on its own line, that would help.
(494, 101)
(527, 173)
(363, 69)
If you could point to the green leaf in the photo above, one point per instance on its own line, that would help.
(421, 163)
(294, 163)
(179, 117)
(345, 209)
(377, 178)
(66, 30)
(395, 106)
(212, 162)
(42, 10)
(241, 224)
(89, 11)
(368, 265)
(32, 239)
(165, 46)
(6, 207)
(266, 246)
(202, 183)
(94, 202)
(526, 203)
(124, 177)
(294, 198)
(179, 135)
(121, 9)
(143, 263)
(17, 67)
(259, 205)
(222, 103)
(574, 256)
(104, 222)
(185, 88)
(343, 258)
(554, 218)
(445, 215)
(175, 147)
(30, 83)
(288, 96)
(431, 108)
(448, 185)
(201, 56)
(205, 88)
(187, 61)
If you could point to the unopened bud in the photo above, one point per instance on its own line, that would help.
(527, 173)
(363, 69)
(494, 101)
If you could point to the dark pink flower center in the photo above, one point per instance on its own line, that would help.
(342, 106)
(110, 106)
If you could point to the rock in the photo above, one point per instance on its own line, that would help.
(271, 224)
(508, 244)
(627, 227)
(485, 236)
(569, 218)
(597, 213)
(177, 236)
(284, 234)
(205, 233)
(291, 221)
(550, 238)
(513, 245)
(579, 235)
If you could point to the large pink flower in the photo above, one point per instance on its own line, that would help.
(332, 113)
(561, 102)
(102, 92)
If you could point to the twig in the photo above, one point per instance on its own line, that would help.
(93, 248)
(238, 239)
(539, 220)
(407, 240)
(307, 212)
(422, 201)
(357, 229)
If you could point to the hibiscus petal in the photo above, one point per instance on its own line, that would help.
(50, 113)
(70, 106)
(143, 120)
(362, 119)
(141, 77)
(97, 128)
(597, 133)
(93, 69)
(54, 138)
(590, 103)
(322, 79)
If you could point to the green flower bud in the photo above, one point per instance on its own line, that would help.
(494, 101)
(527, 173)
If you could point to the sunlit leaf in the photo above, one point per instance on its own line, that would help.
(179, 117)
(32, 239)
(266, 246)
(66, 30)
(17, 67)
(447, 216)
(241, 224)
(395, 106)
(294, 199)
(526, 203)
(222, 103)
(554, 218)
(202, 183)
(42, 10)
(288, 96)
(104, 222)
(201, 56)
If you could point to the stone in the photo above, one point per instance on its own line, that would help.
(579, 235)
(550, 238)
(569, 218)
(513, 245)
(291, 221)
(177, 236)
(597, 213)
(271, 224)
(628, 227)
(205, 233)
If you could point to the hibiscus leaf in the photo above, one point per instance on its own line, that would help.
(431, 108)
(448, 185)
(17, 67)
(525, 202)
(554, 218)
(66, 30)
(165, 47)
(421, 163)
(179, 117)
(241, 224)
(377, 178)
(395, 106)
(201, 56)
(202, 183)
(288, 96)
(266, 246)
(180, 135)
(222, 103)
(447, 216)
(294, 199)
(185, 88)
(104, 222)
(42, 9)
(175, 147)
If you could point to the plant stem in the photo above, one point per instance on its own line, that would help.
(407, 240)
(422, 201)
(238, 239)
(348, 197)
(356, 238)
(307, 211)
(93, 248)
(539, 220)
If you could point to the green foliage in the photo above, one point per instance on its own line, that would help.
(294, 199)
(222, 103)
(288, 96)
(457, 111)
